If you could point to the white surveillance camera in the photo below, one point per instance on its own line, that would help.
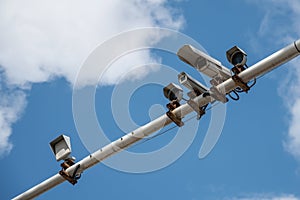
(203, 62)
(236, 56)
(61, 147)
(173, 92)
(191, 84)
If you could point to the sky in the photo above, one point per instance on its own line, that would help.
(45, 44)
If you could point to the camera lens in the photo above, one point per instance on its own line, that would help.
(172, 95)
(238, 58)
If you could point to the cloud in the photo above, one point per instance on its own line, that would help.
(12, 104)
(52, 38)
(292, 143)
(267, 197)
(43, 40)
(280, 26)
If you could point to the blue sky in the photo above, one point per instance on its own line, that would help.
(43, 46)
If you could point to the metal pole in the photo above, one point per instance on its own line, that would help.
(271, 62)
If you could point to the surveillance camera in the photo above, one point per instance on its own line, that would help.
(203, 62)
(173, 92)
(236, 56)
(61, 147)
(191, 84)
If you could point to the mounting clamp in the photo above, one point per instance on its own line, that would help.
(71, 178)
(240, 83)
(200, 110)
(217, 95)
(216, 81)
(176, 119)
(238, 69)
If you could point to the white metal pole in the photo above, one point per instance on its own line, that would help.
(280, 57)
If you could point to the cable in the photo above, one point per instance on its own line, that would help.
(238, 90)
(184, 99)
(254, 82)
(169, 129)
(75, 175)
(236, 98)
(161, 133)
(204, 108)
(154, 136)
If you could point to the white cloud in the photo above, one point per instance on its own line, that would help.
(52, 38)
(12, 103)
(42, 40)
(280, 25)
(267, 197)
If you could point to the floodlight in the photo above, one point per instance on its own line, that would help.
(61, 147)
(236, 56)
(203, 62)
(173, 92)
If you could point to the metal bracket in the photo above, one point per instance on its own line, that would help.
(175, 119)
(192, 94)
(68, 177)
(216, 81)
(71, 178)
(217, 95)
(237, 70)
(240, 83)
(199, 110)
(171, 106)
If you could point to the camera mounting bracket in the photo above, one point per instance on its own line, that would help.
(176, 119)
(238, 81)
(200, 110)
(71, 178)
(217, 95)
